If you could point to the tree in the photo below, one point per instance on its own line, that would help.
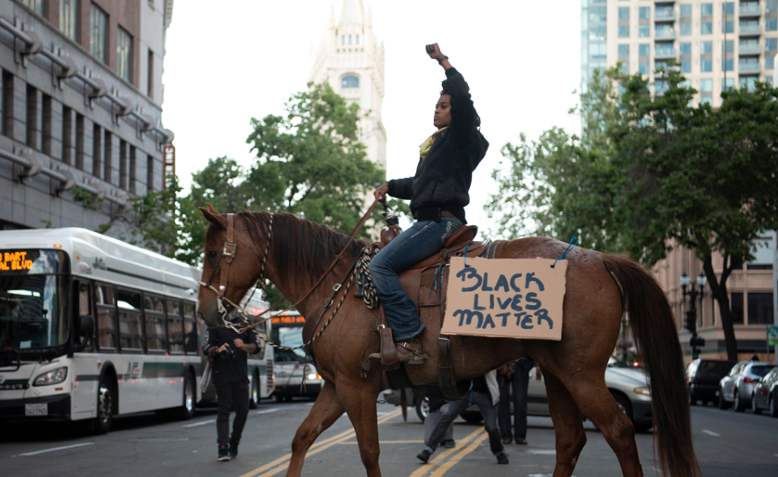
(658, 172)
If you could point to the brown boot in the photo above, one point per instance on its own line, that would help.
(409, 352)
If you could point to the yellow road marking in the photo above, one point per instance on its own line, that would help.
(461, 443)
(440, 471)
(282, 463)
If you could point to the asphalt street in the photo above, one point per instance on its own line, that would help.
(727, 444)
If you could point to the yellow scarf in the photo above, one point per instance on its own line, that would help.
(425, 147)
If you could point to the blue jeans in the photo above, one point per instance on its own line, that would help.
(423, 239)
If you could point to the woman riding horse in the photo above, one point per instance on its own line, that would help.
(438, 193)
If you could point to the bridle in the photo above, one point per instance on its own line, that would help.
(229, 251)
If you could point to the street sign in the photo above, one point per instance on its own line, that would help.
(772, 335)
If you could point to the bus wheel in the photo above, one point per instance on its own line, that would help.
(102, 422)
(186, 411)
(254, 392)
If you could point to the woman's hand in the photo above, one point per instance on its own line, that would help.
(381, 191)
(434, 51)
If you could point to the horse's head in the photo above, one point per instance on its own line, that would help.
(230, 268)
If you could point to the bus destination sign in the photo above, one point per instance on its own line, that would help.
(16, 261)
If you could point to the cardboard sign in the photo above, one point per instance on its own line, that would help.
(505, 298)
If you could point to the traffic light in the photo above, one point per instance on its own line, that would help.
(691, 321)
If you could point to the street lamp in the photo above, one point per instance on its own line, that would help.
(694, 291)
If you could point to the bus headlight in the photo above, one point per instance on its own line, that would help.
(312, 376)
(55, 376)
(642, 390)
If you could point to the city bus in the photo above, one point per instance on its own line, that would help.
(295, 373)
(92, 328)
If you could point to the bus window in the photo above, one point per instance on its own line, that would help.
(154, 310)
(130, 331)
(175, 327)
(83, 309)
(190, 331)
(106, 324)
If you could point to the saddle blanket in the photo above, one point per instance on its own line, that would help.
(505, 298)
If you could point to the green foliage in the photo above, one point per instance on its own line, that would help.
(651, 172)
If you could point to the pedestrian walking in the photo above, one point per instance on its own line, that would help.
(484, 393)
(228, 351)
(514, 381)
(437, 406)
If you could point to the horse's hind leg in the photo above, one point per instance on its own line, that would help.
(359, 399)
(324, 412)
(596, 402)
(568, 427)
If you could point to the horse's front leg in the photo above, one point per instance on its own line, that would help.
(324, 412)
(359, 399)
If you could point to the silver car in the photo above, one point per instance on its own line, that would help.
(736, 388)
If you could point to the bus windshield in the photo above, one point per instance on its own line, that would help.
(32, 300)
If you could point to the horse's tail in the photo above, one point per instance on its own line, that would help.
(654, 330)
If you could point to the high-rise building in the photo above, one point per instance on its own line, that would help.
(81, 109)
(351, 60)
(717, 45)
(594, 38)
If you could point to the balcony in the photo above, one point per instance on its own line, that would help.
(666, 33)
(749, 28)
(749, 9)
(746, 67)
(749, 48)
(664, 14)
(664, 53)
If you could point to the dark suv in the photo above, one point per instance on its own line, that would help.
(703, 376)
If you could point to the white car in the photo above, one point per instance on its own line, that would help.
(736, 388)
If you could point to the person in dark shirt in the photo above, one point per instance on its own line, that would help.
(485, 394)
(228, 351)
(438, 193)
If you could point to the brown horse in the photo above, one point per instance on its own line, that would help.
(294, 253)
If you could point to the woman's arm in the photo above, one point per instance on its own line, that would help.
(463, 112)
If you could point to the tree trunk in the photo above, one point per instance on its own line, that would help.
(719, 291)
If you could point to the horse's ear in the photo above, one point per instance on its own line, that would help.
(213, 216)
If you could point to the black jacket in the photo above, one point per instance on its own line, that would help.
(443, 177)
(229, 366)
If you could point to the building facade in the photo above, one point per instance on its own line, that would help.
(717, 45)
(594, 38)
(81, 109)
(351, 60)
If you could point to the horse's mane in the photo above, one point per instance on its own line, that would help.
(302, 244)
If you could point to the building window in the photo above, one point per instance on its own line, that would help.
(644, 22)
(150, 74)
(686, 19)
(107, 156)
(644, 58)
(32, 117)
(728, 17)
(771, 15)
(37, 6)
(68, 18)
(706, 19)
(623, 22)
(98, 38)
(149, 173)
(749, 27)
(706, 91)
(736, 305)
(133, 168)
(124, 55)
(728, 55)
(46, 127)
(664, 31)
(706, 56)
(67, 133)
(728, 83)
(123, 164)
(623, 58)
(97, 149)
(686, 57)
(760, 308)
(349, 81)
(8, 104)
(771, 49)
(748, 82)
(79, 142)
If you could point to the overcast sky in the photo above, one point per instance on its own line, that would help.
(230, 60)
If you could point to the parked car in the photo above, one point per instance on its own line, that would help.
(294, 375)
(703, 376)
(736, 388)
(766, 394)
(627, 384)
